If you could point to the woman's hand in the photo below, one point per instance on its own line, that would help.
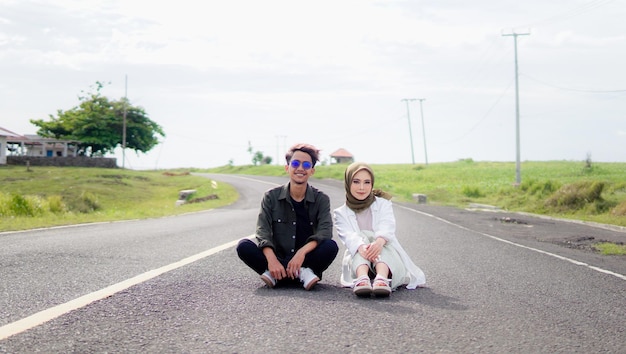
(362, 250)
(373, 250)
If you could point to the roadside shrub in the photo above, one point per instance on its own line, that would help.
(576, 195)
(86, 203)
(4, 203)
(527, 184)
(602, 206)
(540, 189)
(616, 188)
(471, 192)
(55, 204)
(20, 205)
(29, 206)
(620, 209)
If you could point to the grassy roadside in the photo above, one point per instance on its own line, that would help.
(53, 196)
(563, 189)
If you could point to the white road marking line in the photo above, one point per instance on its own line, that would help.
(44, 316)
(597, 269)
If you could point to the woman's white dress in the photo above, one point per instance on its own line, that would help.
(404, 271)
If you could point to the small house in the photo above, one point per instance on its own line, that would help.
(50, 147)
(7, 140)
(33, 145)
(341, 156)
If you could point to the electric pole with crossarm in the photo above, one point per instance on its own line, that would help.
(407, 100)
(518, 177)
(423, 131)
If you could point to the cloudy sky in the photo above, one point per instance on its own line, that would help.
(220, 75)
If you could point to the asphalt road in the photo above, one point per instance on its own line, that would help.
(175, 285)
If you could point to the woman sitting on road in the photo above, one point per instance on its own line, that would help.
(366, 225)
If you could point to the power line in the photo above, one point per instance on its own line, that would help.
(485, 116)
(571, 89)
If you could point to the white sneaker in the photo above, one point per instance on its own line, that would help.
(268, 279)
(308, 278)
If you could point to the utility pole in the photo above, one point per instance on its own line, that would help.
(518, 177)
(408, 115)
(278, 147)
(423, 130)
(124, 123)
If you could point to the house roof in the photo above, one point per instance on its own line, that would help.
(9, 134)
(30, 139)
(341, 152)
(39, 139)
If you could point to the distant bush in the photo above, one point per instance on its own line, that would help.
(617, 188)
(55, 204)
(540, 189)
(620, 209)
(576, 195)
(85, 203)
(4, 205)
(588, 165)
(471, 192)
(25, 205)
(30, 206)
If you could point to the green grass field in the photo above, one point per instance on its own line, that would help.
(47, 196)
(51, 196)
(565, 189)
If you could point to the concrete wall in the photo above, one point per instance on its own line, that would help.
(3, 150)
(78, 161)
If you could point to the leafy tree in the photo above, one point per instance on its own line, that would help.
(97, 125)
(257, 158)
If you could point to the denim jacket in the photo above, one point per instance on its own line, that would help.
(276, 224)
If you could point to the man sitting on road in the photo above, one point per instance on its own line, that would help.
(294, 227)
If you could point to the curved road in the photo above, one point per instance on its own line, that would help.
(175, 284)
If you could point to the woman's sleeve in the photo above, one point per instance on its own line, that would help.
(347, 234)
(385, 225)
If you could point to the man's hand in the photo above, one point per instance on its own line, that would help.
(273, 265)
(276, 269)
(294, 265)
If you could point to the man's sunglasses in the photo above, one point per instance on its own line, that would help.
(305, 164)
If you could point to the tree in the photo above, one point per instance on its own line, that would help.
(257, 157)
(97, 125)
